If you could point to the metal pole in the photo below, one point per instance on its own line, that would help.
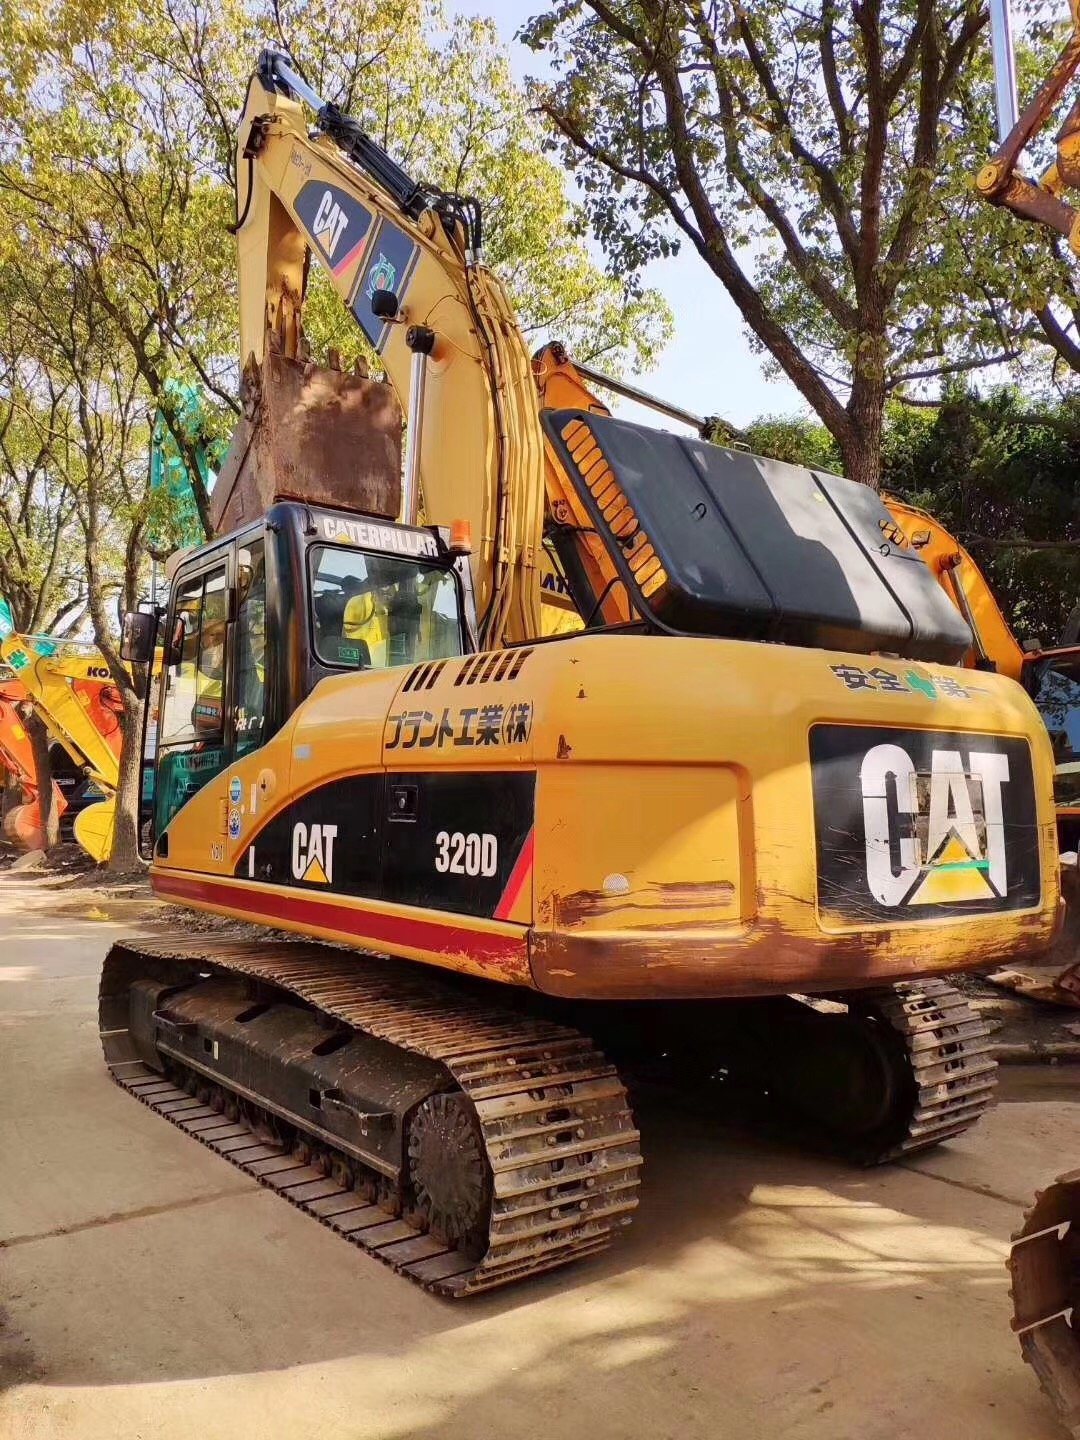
(420, 341)
(631, 392)
(1001, 45)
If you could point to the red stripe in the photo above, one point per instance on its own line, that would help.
(350, 256)
(458, 940)
(516, 883)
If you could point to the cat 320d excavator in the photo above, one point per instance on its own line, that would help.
(755, 779)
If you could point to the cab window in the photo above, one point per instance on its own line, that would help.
(373, 611)
(250, 647)
(191, 732)
(194, 706)
(1058, 697)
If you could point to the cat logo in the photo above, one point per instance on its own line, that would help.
(313, 853)
(937, 838)
(330, 223)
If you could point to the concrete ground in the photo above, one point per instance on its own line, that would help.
(152, 1291)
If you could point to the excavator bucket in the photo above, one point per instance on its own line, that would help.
(94, 828)
(1045, 1268)
(307, 433)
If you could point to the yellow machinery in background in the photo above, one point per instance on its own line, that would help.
(757, 777)
(69, 683)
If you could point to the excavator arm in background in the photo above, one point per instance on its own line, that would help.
(956, 572)
(1042, 201)
(71, 688)
(69, 684)
(21, 822)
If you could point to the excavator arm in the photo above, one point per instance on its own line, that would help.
(70, 689)
(404, 258)
(1041, 201)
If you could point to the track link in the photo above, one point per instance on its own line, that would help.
(556, 1125)
(947, 1042)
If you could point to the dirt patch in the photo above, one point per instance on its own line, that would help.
(1023, 1030)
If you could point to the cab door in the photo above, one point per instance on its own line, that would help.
(193, 742)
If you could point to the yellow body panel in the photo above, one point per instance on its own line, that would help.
(674, 834)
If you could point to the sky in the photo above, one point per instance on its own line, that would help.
(708, 366)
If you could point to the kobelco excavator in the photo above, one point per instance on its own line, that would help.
(70, 685)
(757, 776)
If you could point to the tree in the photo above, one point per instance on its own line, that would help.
(795, 439)
(1000, 473)
(41, 578)
(817, 157)
(97, 444)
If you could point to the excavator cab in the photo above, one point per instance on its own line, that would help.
(259, 617)
(1052, 679)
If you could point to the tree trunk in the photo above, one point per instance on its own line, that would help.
(861, 448)
(125, 850)
(39, 741)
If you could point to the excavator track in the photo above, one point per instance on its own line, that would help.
(947, 1044)
(1044, 1267)
(901, 1070)
(545, 1116)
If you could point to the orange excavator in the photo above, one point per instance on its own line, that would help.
(70, 686)
(22, 823)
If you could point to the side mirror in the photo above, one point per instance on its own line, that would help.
(137, 637)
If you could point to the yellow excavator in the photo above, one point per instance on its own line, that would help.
(69, 684)
(755, 780)
(1045, 1260)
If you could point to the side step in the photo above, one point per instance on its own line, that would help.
(558, 1135)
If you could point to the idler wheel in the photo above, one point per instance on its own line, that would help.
(449, 1176)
